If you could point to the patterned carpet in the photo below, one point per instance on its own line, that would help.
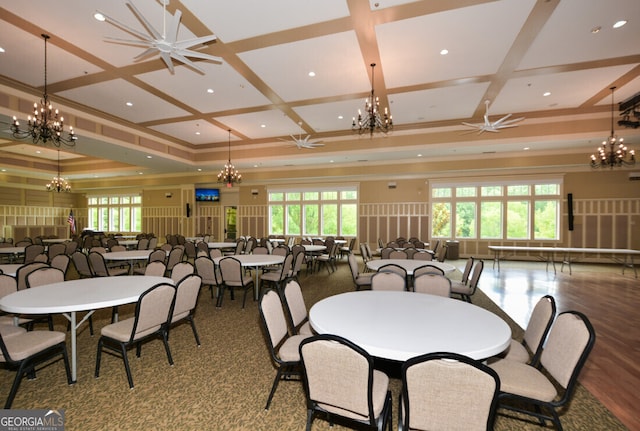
(222, 385)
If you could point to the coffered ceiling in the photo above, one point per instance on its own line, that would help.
(510, 52)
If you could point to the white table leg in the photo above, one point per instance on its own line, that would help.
(74, 352)
(256, 293)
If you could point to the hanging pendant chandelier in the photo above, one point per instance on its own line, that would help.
(58, 184)
(229, 174)
(372, 121)
(613, 152)
(46, 125)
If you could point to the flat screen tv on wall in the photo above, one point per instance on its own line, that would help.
(207, 195)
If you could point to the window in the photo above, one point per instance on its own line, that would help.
(314, 211)
(115, 213)
(515, 211)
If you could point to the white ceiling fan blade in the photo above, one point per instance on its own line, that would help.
(174, 26)
(124, 27)
(515, 120)
(152, 31)
(471, 125)
(189, 43)
(502, 119)
(196, 54)
(147, 53)
(167, 60)
(142, 42)
(186, 61)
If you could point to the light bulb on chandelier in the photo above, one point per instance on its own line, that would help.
(229, 174)
(613, 152)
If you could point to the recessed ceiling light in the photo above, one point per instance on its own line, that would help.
(620, 23)
(199, 169)
(526, 148)
(330, 161)
(129, 104)
(139, 173)
(1, 49)
(210, 90)
(38, 152)
(546, 93)
(255, 166)
(419, 155)
(596, 29)
(340, 117)
(444, 52)
(263, 125)
(149, 157)
(4, 170)
(197, 133)
(99, 16)
(312, 74)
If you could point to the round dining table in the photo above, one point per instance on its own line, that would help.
(401, 325)
(255, 261)
(130, 256)
(409, 264)
(69, 297)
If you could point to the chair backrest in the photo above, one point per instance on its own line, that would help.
(8, 284)
(476, 272)
(433, 284)
(427, 269)
(215, 252)
(338, 376)
(231, 270)
(539, 325)
(98, 249)
(239, 246)
(398, 254)
(187, 291)
(423, 255)
(392, 267)
(363, 253)
(153, 243)
(353, 265)
(467, 270)
(386, 252)
(157, 256)
(167, 246)
(155, 268)
(175, 256)
(181, 270)
(206, 269)
(260, 250)
(410, 252)
(55, 249)
(31, 251)
(287, 265)
(98, 266)
(298, 260)
(143, 244)
(118, 247)
(153, 309)
(81, 263)
(388, 281)
(273, 320)
(61, 262)
(448, 391)
(436, 245)
(25, 270)
(441, 255)
(42, 257)
(566, 350)
(190, 250)
(294, 303)
(203, 246)
(369, 253)
(281, 250)
(42, 276)
(70, 247)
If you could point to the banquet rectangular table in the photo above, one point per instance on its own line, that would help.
(401, 325)
(85, 294)
(548, 255)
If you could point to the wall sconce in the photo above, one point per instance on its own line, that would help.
(168, 195)
(254, 192)
(391, 185)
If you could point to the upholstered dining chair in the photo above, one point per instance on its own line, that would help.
(61, 262)
(8, 285)
(547, 387)
(427, 268)
(100, 268)
(466, 292)
(155, 268)
(25, 350)
(181, 270)
(422, 255)
(398, 254)
(55, 249)
(388, 281)
(277, 278)
(296, 309)
(447, 391)
(386, 252)
(530, 348)
(187, 290)
(462, 284)
(433, 284)
(359, 280)
(340, 380)
(31, 251)
(208, 272)
(23, 271)
(81, 264)
(233, 276)
(151, 319)
(392, 267)
(283, 347)
(175, 257)
(155, 256)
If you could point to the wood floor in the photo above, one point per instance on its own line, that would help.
(608, 298)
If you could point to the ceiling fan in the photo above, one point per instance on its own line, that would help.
(304, 143)
(494, 126)
(165, 44)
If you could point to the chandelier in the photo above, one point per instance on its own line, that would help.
(45, 125)
(613, 152)
(229, 174)
(372, 120)
(58, 184)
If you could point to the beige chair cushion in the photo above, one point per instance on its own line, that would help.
(11, 330)
(22, 346)
(524, 380)
(517, 352)
(289, 349)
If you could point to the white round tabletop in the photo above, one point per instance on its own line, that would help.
(55, 240)
(79, 295)
(221, 244)
(11, 250)
(402, 325)
(310, 248)
(409, 264)
(128, 242)
(127, 255)
(10, 268)
(254, 259)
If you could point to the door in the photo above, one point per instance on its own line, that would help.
(230, 230)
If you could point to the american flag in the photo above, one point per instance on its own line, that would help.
(72, 222)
